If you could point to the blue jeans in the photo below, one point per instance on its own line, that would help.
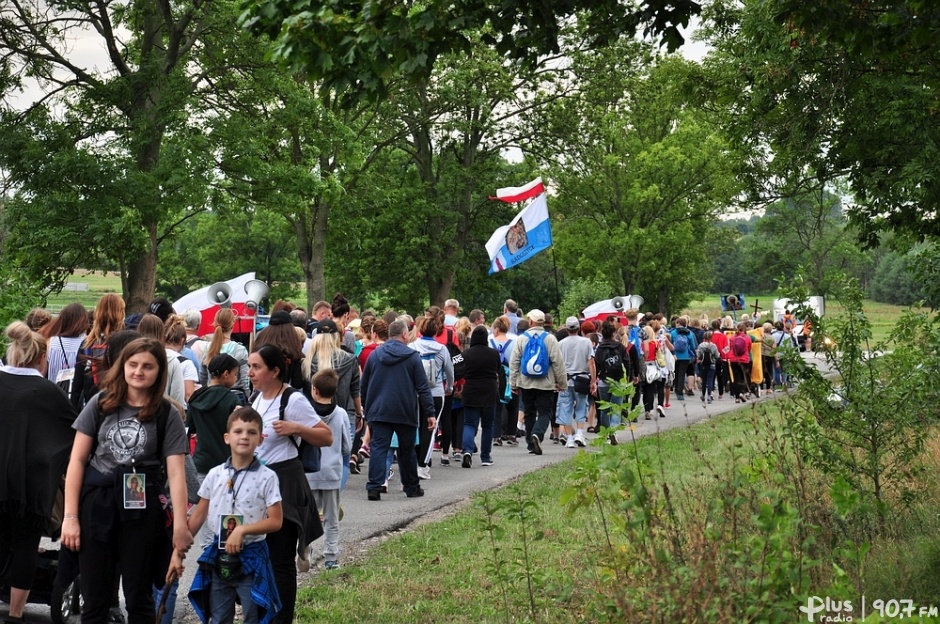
(571, 407)
(472, 416)
(407, 459)
(708, 381)
(604, 416)
(222, 600)
(170, 600)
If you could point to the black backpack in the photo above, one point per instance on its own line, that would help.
(456, 356)
(609, 361)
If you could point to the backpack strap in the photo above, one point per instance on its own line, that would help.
(285, 399)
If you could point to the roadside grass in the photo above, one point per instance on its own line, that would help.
(445, 571)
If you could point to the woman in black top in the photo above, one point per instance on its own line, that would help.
(480, 396)
(34, 451)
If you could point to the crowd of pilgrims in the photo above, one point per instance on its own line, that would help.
(128, 436)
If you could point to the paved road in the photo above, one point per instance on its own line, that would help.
(365, 520)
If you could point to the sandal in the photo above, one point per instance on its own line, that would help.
(591, 430)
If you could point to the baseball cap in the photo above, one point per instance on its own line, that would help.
(536, 316)
(221, 363)
(572, 323)
(281, 317)
(327, 326)
(161, 307)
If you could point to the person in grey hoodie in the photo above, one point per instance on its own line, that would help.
(327, 482)
(439, 370)
(325, 352)
(397, 399)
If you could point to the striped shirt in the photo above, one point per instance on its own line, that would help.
(62, 354)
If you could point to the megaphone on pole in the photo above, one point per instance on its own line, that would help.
(220, 294)
(256, 291)
(619, 303)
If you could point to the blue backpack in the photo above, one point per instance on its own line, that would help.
(505, 389)
(534, 361)
(681, 343)
(636, 339)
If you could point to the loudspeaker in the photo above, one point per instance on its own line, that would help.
(256, 291)
(634, 301)
(220, 294)
(619, 303)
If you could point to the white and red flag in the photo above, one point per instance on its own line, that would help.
(512, 194)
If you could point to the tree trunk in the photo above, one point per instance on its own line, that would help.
(142, 275)
(311, 245)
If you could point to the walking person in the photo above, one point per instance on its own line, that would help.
(536, 372)
(288, 418)
(480, 397)
(439, 370)
(126, 430)
(34, 451)
(397, 399)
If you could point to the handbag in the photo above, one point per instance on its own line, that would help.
(653, 372)
(581, 383)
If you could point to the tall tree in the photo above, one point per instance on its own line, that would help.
(842, 89)
(806, 234)
(106, 164)
(640, 176)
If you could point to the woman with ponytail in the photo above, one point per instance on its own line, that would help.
(221, 342)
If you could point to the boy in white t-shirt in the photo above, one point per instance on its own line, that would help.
(242, 501)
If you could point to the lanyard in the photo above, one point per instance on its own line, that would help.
(234, 487)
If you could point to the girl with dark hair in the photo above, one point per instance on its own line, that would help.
(340, 312)
(65, 336)
(34, 451)
(267, 369)
(221, 342)
(281, 334)
(129, 429)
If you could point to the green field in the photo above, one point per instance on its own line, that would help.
(882, 316)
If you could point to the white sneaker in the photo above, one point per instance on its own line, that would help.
(579, 438)
(570, 443)
(424, 473)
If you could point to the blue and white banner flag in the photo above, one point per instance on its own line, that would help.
(526, 235)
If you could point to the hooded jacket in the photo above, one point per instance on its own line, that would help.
(482, 364)
(207, 415)
(394, 386)
(330, 475)
(347, 367)
(427, 347)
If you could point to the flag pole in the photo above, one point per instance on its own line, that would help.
(555, 265)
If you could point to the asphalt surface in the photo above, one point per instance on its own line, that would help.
(366, 522)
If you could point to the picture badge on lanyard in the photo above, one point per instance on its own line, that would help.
(135, 491)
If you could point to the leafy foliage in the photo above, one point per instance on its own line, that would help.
(360, 46)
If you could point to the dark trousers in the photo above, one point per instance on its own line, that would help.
(136, 543)
(282, 545)
(741, 384)
(19, 541)
(682, 368)
(652, 391)
(407, 459)
(722, 377)
(451, 426)
(424, 434)
(507, 415)
(538, 412)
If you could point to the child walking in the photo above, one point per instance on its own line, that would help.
(241, 499)
(326, 483)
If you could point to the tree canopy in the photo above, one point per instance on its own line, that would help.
(360, 46)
